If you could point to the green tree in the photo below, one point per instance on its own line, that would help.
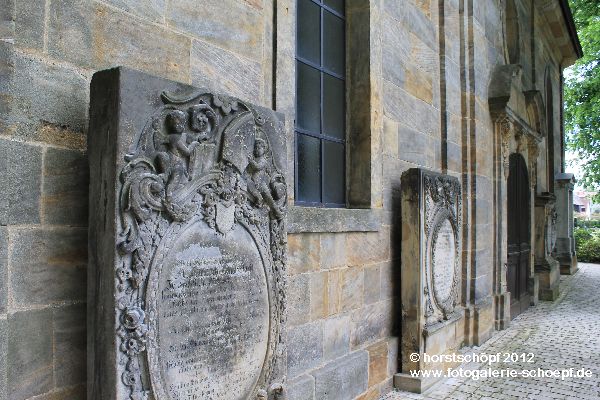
(582, 93)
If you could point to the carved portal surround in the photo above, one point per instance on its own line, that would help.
(517, 117)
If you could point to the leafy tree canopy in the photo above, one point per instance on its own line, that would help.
(582, 93)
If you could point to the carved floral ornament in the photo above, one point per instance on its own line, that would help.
(442, 276)
(203, 157)
(533, 148)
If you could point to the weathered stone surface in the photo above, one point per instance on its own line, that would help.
(69, 345)
(319, 295)
(412, 142)
(29, 353)
(309, 219)
(390, 287)
(378, 362)
(305, 347)
(413, 17)
(222, 71)
(423, 117)
(302, 388)
(342, 379)
(352, 288)
(334, 293)
(3, 358)
(365, 248)
(390, 137)
(60, 135)
(20, 195)
(333, 250)
(7, 21)
(370, 323)
(153, 10)
(196, 288)
(66, 180)
(213, 23)
(372, 394)
(29, 23)
(42, 92)
(393, 351)
(336, 336)
(92, 35)
(304, 253)
(3, 269)
(299, 299)
(51, 265)
(72, 393)
(372, 286)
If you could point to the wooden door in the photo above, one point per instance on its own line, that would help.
(519, 247)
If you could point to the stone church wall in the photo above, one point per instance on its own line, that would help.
(430, 67)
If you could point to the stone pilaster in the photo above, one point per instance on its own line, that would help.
(565, 241)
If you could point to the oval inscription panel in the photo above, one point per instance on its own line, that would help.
(444, 254)
(212, 316)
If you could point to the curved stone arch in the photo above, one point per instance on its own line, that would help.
(536, 113)
(511, 31)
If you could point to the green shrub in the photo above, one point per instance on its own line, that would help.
(587, 244)
(579, 223)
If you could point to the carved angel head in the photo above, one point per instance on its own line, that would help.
(260, 147)
(175, 122)
(202, 121)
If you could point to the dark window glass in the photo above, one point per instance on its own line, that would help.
(333, 175)
(333, 43)
(336, 5)
(308, 156)
(320, 103)
(333, 107)
(308, 97)
(309, 22)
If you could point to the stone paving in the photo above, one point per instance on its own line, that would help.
(562, 334)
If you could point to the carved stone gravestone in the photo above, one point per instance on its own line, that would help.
(547, 268)
(187, 243)
(430, 275)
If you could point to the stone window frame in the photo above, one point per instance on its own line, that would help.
(363, 212)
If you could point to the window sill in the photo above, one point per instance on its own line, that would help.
(312, 219)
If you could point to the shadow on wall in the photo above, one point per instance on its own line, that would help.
(396, 259)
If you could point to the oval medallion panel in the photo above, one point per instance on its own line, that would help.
(211, 298)
(444, 258)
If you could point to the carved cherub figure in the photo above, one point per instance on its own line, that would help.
(259, 168)
(173, 163)
(202, 121)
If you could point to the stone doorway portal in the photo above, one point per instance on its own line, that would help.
(519, 237)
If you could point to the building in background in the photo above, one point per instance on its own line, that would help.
(583, 203)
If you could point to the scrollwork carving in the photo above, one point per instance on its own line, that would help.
(442, 212)
(506, 132)
(532, 155)
(203, 156)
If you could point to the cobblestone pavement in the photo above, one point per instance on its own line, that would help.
(562, 334)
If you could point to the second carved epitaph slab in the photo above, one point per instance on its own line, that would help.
(187, 243)
(430, 273)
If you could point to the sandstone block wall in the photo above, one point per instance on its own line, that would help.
(429, 70)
